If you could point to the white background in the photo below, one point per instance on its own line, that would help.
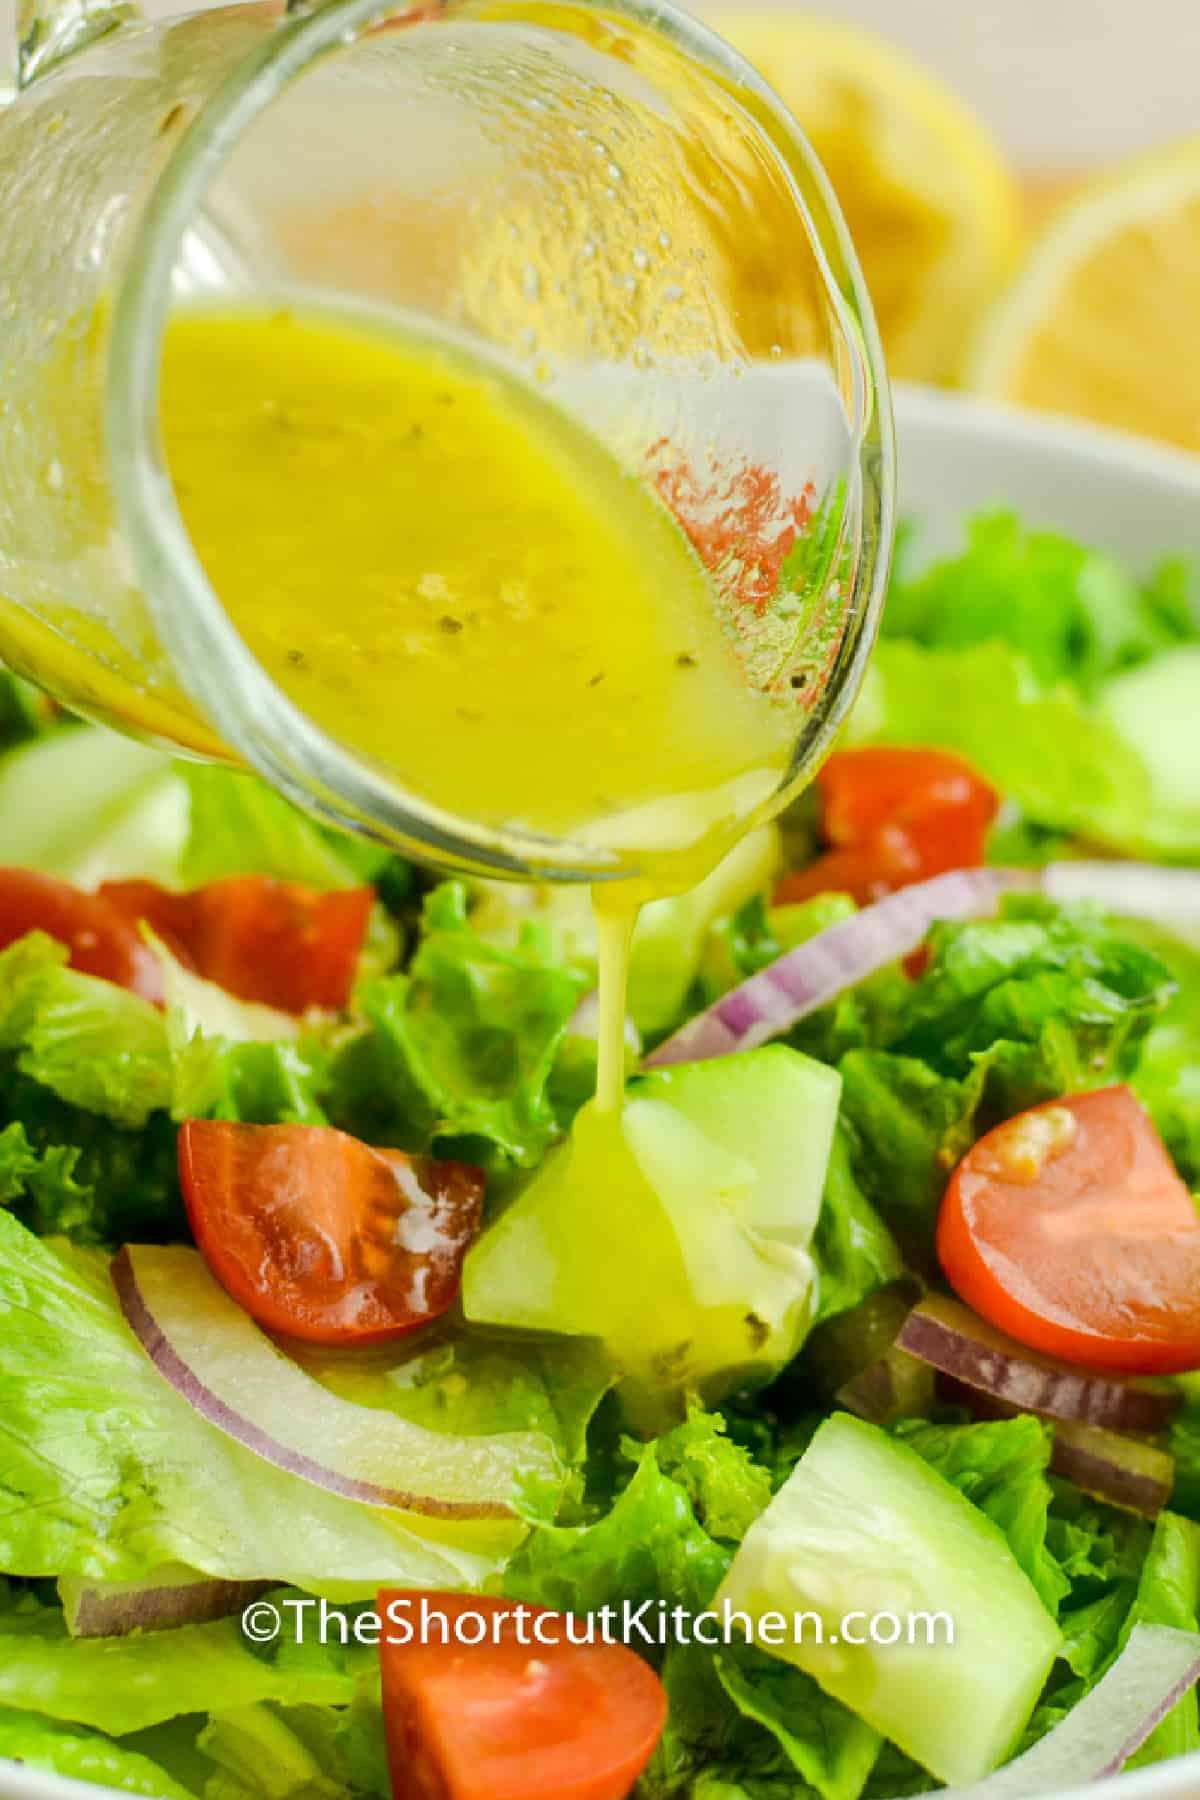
(1063, 83)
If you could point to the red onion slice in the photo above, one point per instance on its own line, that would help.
(955, 1341)
(816, 972)
(1098, 1736)
(170, 1597)
(813, 974)
(215, 1356)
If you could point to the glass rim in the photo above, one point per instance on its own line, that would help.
(212, 661)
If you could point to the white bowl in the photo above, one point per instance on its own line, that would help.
(956, 457)
(1121, 493)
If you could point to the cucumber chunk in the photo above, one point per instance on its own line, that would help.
(774, 1107)
(678, 1231)
(864, 1527)
(1154, 707)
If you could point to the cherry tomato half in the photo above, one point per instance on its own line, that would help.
(318, 1236)
(1069, 1228)
(100, 939)
(893, 817)
(275, 942)
(504, 1719)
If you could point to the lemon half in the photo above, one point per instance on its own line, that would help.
(1104, 320)
(931, 206)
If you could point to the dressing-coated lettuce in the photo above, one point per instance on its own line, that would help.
(108, 1472)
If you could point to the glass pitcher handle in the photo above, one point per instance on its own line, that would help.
(48, 31)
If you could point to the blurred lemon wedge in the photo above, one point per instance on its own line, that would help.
(931, 206)
(1104, 319)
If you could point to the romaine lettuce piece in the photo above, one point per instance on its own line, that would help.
(39, 1743)
(853, 1249)
(1001, 1466)
(312, 1753)
(462, 1044)
(830, 1747)
(236, 1059)
(1063, 764)
(240, 826)
(126, 1684)
(44, 1179)
(1010, 1011)
(1167, 1077)
(107, 1472)
(92, 1043)
(668, 940)
(1074, 613)
(474, 1386)
(98, 1183)
(693, 1493)
(1168, 1593)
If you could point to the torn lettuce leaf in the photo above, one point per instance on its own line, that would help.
(43, 1182)
(126, 1684)
(108, 1472)
(1008, 1012)
(475, 1386)
(92, 1043)
(854, 1252)
(667, 1535)
(1168, 1593)
(1064, 765)
(237, 1059)
(745, 1726)
(313, 1752)
(240, 826)
(461, 1046)
(828, 1746)
(99, 1183)
(1074, 613)
(1001, 1466)
(84, 1755)
(1168, 1073)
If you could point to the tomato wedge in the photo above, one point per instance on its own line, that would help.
(522, 1714)
(318, 1236)
(892, 817)
(100, 939)
(863, 790)
(275, 942)
(1069, 1228)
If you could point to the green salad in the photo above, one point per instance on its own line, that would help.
(298, 1306)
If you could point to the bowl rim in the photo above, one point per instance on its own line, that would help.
(918, 405)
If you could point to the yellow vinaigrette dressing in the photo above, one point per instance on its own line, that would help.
(449, 576)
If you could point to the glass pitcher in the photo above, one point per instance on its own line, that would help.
(603, 194)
